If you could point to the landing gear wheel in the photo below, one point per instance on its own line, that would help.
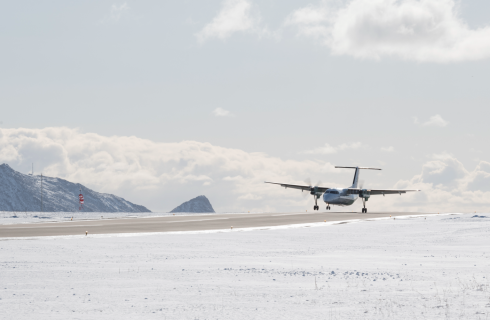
(364, 210)
(316, 208)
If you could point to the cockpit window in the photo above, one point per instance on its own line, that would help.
(332, 191)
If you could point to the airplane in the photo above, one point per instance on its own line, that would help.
(343, 196)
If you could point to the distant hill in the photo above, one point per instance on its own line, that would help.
(199, 204)
(21, 192)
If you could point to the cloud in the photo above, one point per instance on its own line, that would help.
(387, 149)
(163, 175)
(436, 121)
(219, 112)
(160, 175)
(250, 196)
(117, 11)
(479, 179)
(416, 30)
(328, 149)
(447, 187)
(234, 16)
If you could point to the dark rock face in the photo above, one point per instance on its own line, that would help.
(199, 204)
(21, 192)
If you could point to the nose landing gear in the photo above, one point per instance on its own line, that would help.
(328, 207)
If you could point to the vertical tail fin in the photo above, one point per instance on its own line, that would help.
(355, 182)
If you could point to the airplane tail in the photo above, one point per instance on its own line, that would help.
(355, 182)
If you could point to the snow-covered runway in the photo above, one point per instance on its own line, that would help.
(196, 223)
(413, 268)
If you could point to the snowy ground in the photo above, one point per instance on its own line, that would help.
(415, 268)
(13, 217)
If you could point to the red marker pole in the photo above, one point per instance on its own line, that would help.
(80, 199)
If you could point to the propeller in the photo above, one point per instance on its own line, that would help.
(307, 181)
(361, 184)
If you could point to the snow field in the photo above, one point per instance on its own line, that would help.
(14, 217)
(413, 268)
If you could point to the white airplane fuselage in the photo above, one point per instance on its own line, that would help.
(339, 197)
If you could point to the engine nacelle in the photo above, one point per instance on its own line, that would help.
(314, 190)
(364, 193)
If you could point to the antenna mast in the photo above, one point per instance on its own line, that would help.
(41, 192)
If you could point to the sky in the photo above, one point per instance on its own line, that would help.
(159, 101)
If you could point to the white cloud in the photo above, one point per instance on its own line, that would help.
(234, 16)
(388, 149)
(436, 121)
(312, 21)
(219, 112)
(117, 11)
(418, 30)
(163, 175)
(328, 149)
(160, 175)
(250, 196)
(447, 187)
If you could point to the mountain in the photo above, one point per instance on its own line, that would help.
(21, 192)
(199, 204)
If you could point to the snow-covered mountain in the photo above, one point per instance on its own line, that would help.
(21, 192)
(198, 204)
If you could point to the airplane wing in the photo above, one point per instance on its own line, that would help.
(381, 191)
(300, 187)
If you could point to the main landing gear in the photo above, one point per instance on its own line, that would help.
(316, 207)
(364, 210)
